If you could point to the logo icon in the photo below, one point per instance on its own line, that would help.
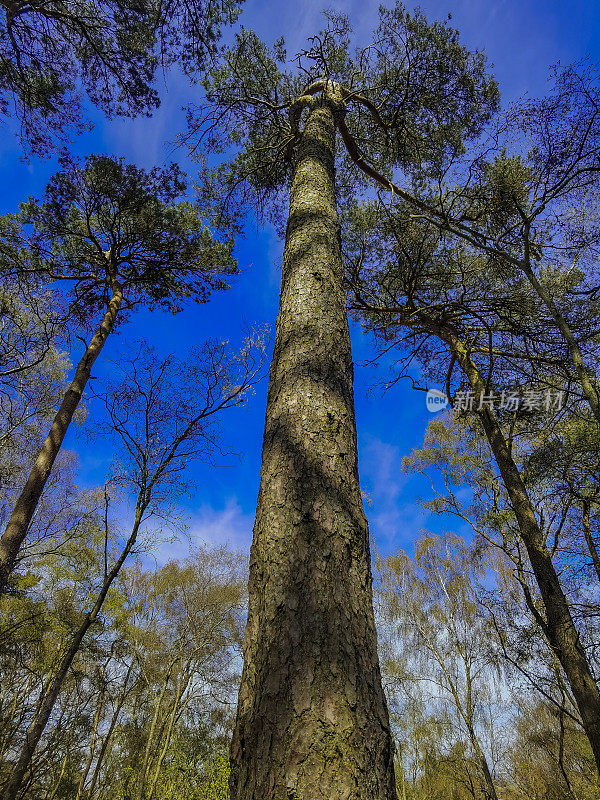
(436, 401)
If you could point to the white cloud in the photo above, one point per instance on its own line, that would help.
(393, 522)
(228, 525)
(210, 526)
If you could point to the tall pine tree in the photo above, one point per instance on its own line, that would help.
(312, 720)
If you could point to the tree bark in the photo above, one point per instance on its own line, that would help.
(312, 721)
(559, 627)
(25, 507)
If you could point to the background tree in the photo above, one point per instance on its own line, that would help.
(188, 635)
(536, 200)
(557, 762)
(100, 721)
(430, 602)
(162, 423)
(114, 238)
(454, 456)
(537, 743)
(110, 48)
(32, 374)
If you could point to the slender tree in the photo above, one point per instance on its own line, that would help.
(454, 310)
(114, 238)
(455, 450)
(32, 375)
(431, 602)
(567, 456)
(312, 720)
(163, 425)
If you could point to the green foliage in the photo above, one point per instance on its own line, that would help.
(508, 182)
(164, 647)
(409, 102)
(111, 48)
(216, 784)
(448, 661)
(550, 759)
(102, 222)
(32, 372)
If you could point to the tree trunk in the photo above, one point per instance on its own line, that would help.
(469, 717)
(559, 627)
(587, 532)
(312, 720)
(149, 749)
(109, 733)
(25, 507)
(90, 758)
(489, 787)
(60, 777)
(37, 727)
(181, 689)
(586, 377)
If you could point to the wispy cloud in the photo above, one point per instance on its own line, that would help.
(394, 518)
(209, 526)
(227, 525)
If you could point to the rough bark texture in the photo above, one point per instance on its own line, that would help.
(559, 627)
(26, 504)
(312, 719)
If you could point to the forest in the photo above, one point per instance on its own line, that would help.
(299, 400)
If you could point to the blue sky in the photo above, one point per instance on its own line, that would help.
(521, 38)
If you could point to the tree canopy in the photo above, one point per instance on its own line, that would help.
(112, 49)
(408, 102)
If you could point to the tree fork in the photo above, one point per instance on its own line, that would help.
(312, 720)
(27, 502)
